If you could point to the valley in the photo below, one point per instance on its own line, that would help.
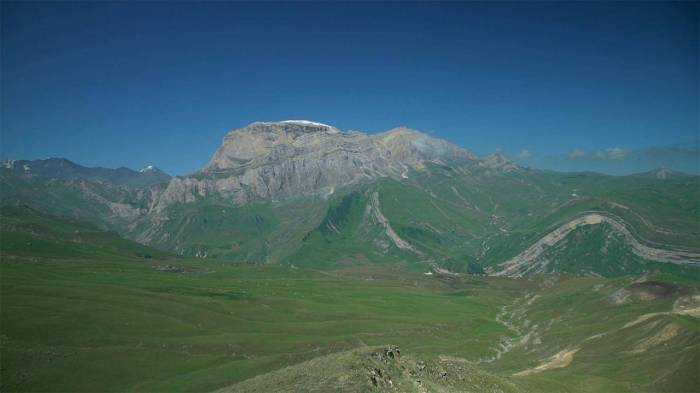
(301, 255)
(292, 192)
(137, 319)
(349, 197)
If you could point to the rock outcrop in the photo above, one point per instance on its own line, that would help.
(279, 160)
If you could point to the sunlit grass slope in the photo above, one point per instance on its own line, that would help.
(98, 315)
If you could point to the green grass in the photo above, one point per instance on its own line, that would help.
(257, 232)
(347, 372)
(581, 314)
(129, 327)
(458, 215)
(73, 297)
(28, 233)
(137, 328)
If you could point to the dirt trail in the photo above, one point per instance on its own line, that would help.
(642, 318)
(559, 360)
(668, 332)
(514, 318)
(529, 260)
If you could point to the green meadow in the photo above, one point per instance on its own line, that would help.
(127, 326)
(83, 311)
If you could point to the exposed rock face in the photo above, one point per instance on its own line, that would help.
(663, 173)
(283, 159)
(533, 260)
(264, 160)
(189, 189)
(500, 162)
(379, 217)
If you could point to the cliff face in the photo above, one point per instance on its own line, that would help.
(279, 160)
(264, 160)
(289, 158)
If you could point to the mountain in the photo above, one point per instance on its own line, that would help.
(76, 298)
(308, 194)
(663, 174)
(64, 169)
(282, 160)
(292, 259)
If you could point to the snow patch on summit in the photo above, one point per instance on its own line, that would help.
(307, 123)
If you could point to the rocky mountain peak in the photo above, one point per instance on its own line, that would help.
(261, 142)
(411, 146)
(152, 170)
(302, 157)
(499, 161)
(265, 143)
(663, 173)
(66, 169)
(403, 131)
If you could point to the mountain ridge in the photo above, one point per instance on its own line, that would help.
(65, 168)
(307, 193)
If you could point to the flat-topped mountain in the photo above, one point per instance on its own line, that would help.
(264, 143)
(280, 159)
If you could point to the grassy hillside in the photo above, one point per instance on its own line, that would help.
(261, 231)
(377, 369)
(107, 205)
(207, 326)
(471, 222)
(626, 334)
(27, 233)
(192, 325)
(132, 327)
(453, 215)
(131, 323)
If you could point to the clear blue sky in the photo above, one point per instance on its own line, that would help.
(611, 87)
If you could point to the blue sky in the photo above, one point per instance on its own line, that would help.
(611, 87)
